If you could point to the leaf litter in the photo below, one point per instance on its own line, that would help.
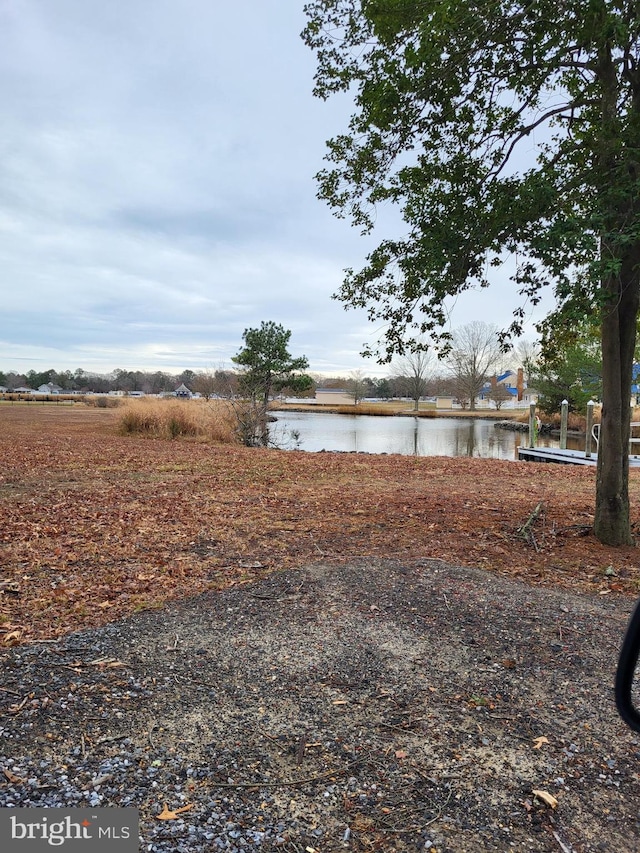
(322, 651)
(150, 520)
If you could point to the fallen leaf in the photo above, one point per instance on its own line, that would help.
(106, 663)
(172, 814)
(546, 797)
(11, 777)
(537, 742)
(12, 637)
(400, 753)
(361, 823)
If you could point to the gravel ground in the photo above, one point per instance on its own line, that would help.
(371, 705)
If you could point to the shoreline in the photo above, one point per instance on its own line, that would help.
(379, 410)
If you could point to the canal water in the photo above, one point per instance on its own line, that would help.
(409, 436)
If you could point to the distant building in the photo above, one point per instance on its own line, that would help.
(635, 386)
(514, 390)
(183, 392)
(49, 388)
(444, 402)
(333, 397)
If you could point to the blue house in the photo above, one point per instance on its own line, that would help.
(507, 380)
(635, 384)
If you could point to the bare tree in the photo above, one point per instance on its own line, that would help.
(498, 394)
(527, 354)
(413, 370)
(474, 356)
(356, 385)
(205, 384)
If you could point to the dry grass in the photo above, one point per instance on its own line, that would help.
(101, 401)
(575, 422)
(211, 420)
(396, 407)
(383, 409)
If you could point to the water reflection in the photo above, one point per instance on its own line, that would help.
(408, 436)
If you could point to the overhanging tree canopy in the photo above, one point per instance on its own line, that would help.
(496, 127)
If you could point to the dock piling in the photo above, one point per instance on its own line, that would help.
(589, 435)
(564, 417)
(532, 425)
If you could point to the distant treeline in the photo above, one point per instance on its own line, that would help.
(83, 381)
(207, 383)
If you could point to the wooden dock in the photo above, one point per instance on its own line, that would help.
(564, 457)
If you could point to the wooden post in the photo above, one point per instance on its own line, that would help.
(589, 436)
(532, 425)
(564, 416)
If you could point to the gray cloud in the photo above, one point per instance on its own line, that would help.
(156, 188)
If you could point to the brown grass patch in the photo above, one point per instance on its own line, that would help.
(211, 420)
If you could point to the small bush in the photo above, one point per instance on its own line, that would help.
(102, 402)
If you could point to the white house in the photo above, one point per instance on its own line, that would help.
(49, 388)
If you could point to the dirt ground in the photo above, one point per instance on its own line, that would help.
(362, 653)
(370, 705)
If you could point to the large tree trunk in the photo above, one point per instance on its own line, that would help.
(621, 288)
(612, 524)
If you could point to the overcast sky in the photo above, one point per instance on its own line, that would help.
(157, 193)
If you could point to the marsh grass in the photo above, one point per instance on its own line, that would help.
(375, 409)
(575, 421)
(205, 420)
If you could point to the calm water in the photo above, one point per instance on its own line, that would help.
(405, 435)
